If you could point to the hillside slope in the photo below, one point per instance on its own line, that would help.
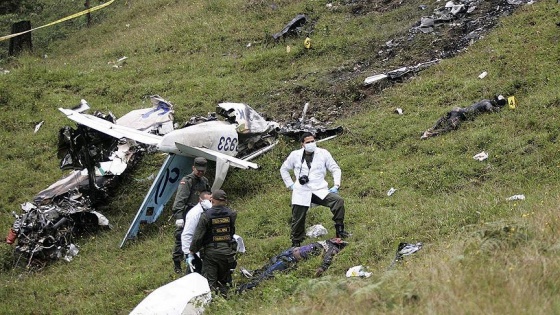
(482, 254)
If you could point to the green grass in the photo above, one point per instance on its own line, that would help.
(482, 254)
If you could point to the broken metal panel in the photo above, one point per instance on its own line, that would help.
(400, 73)
(247, 119)
(292, 27)
(158, 119)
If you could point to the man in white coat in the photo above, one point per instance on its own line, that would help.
(191, 220)
(309, 165)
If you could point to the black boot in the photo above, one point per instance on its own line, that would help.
(177, 264)
(340, 232)
(296, 243)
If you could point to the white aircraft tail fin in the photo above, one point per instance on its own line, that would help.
(164, 186)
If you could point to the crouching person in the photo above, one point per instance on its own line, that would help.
(213, 238)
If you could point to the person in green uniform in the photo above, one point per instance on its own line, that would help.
(214, 239)
(187, 196)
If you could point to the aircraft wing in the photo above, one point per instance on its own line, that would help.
(110, 128)
(214, 156)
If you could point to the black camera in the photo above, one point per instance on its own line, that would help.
(304, 179)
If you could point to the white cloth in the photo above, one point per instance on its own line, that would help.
(191, 220)
(317, 185)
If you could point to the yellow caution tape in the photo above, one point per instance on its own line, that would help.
(101, 6)
(307, 43)
(511, 102)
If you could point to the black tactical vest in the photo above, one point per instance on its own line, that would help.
(221, 221)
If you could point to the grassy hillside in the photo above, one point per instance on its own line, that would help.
(482, 254)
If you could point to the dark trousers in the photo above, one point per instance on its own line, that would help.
(332, 201)
(216, 268)
(178, 254)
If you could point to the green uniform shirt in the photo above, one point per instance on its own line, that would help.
(188, 193)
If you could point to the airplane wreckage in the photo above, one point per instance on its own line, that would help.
(102, 148)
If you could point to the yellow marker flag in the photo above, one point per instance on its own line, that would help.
(307, 43)
(511, 102)
(75, 15)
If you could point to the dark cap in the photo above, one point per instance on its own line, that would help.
(200, 163)
(219, 195)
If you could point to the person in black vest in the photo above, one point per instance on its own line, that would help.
(453, 118)
(213, 237)
(187, 196)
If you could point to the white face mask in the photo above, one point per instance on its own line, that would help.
(206, 204)
(310, 147)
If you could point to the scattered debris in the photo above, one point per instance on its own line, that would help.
(296, 128)
(38, 126)
(483, 75)
(516, 197)
(358, 271)
(46, 229)
(316, 230)
(458, 23)
(391, 191)
(293, 27)
(481, 156)
(400, 73)
(118, 63)
(399, 110)
(405, 249)
(240, 243)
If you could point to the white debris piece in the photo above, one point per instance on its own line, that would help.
(357, 271)
(316, 231)
(483, 75)
(516, 197)
(38, 126)
(391, 191)
(481, 156)
(240, 243)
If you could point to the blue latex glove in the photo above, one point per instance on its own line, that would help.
(334, 189)
(291, 187)
(189, 260)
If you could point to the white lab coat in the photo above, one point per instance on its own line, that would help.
(317, 185)
(191, 220)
